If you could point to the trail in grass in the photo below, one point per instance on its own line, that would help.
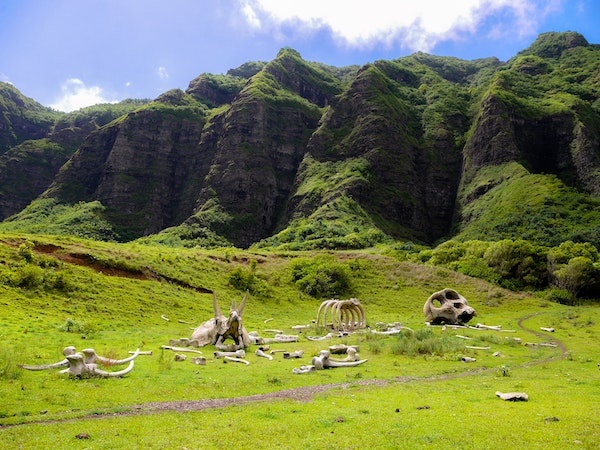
(302, 394)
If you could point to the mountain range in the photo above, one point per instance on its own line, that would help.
(298, 155)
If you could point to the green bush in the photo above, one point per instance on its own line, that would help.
(321, 277)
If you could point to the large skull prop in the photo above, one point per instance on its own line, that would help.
(447, 306)
(220, 328)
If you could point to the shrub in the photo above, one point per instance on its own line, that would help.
(578, 274)
(247, 280)
(320, 277)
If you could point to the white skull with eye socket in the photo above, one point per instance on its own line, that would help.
(447, 306)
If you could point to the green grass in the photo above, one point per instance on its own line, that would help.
(397, 399)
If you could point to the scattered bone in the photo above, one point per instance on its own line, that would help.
(324, 361)
(262, 354)
(180, 357)
(272, 331)
(183, 342)
(264, 348)
(489, 327)
(498, 354)
(549, 330)
(199, 360)
(163, 317)
(290, 355)
(340, 349)
(283, 338)
(472, 347)
(149, 352)
(237, 354)
(467, 359)
(268, 320)
(185, 322)
(299, 328)
(232, 359)
(460, 336)
(272, 352)
(279, 338)
(304, 369)
(453, 308)
(180, 349)
(513, 396)
(327, 336)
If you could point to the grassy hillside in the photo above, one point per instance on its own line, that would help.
(59, 291)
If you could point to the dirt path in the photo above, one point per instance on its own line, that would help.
(302, 394)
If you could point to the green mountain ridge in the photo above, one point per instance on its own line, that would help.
(298, 155)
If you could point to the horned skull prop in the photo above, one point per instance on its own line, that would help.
(453, 308)
(84, 364)
(220, 328)
(345, 315)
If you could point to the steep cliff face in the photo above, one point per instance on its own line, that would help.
(29, 167)
(137, 168)
(291, 152)
(534, 116)
(259, 142)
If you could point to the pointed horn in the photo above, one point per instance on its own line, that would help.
(216, 306)
(240, 310)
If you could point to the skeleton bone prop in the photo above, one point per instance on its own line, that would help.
(346, 315)
(84, 364)
(262, 354)
(290, 355)
(304, 369)
(220, 328)
(513, 396)
(91, 357)
(279, 338)
(78, 368)
(323, 361)
(65, 362)
(454, 308)
(237, 354)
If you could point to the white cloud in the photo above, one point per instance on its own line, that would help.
(75, 95)
(415, 25)
(4, 78)
(162, 73)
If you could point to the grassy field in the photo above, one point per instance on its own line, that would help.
(413, 392)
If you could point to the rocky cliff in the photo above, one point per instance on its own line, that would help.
(300, 154)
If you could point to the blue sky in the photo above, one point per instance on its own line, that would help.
(71, 53)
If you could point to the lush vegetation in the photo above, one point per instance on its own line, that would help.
(59, 291)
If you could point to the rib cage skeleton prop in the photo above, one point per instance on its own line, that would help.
(345, 315)
(454, 308)
(220, 328)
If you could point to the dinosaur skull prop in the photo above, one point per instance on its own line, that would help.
(220, 328)
(447, 306)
